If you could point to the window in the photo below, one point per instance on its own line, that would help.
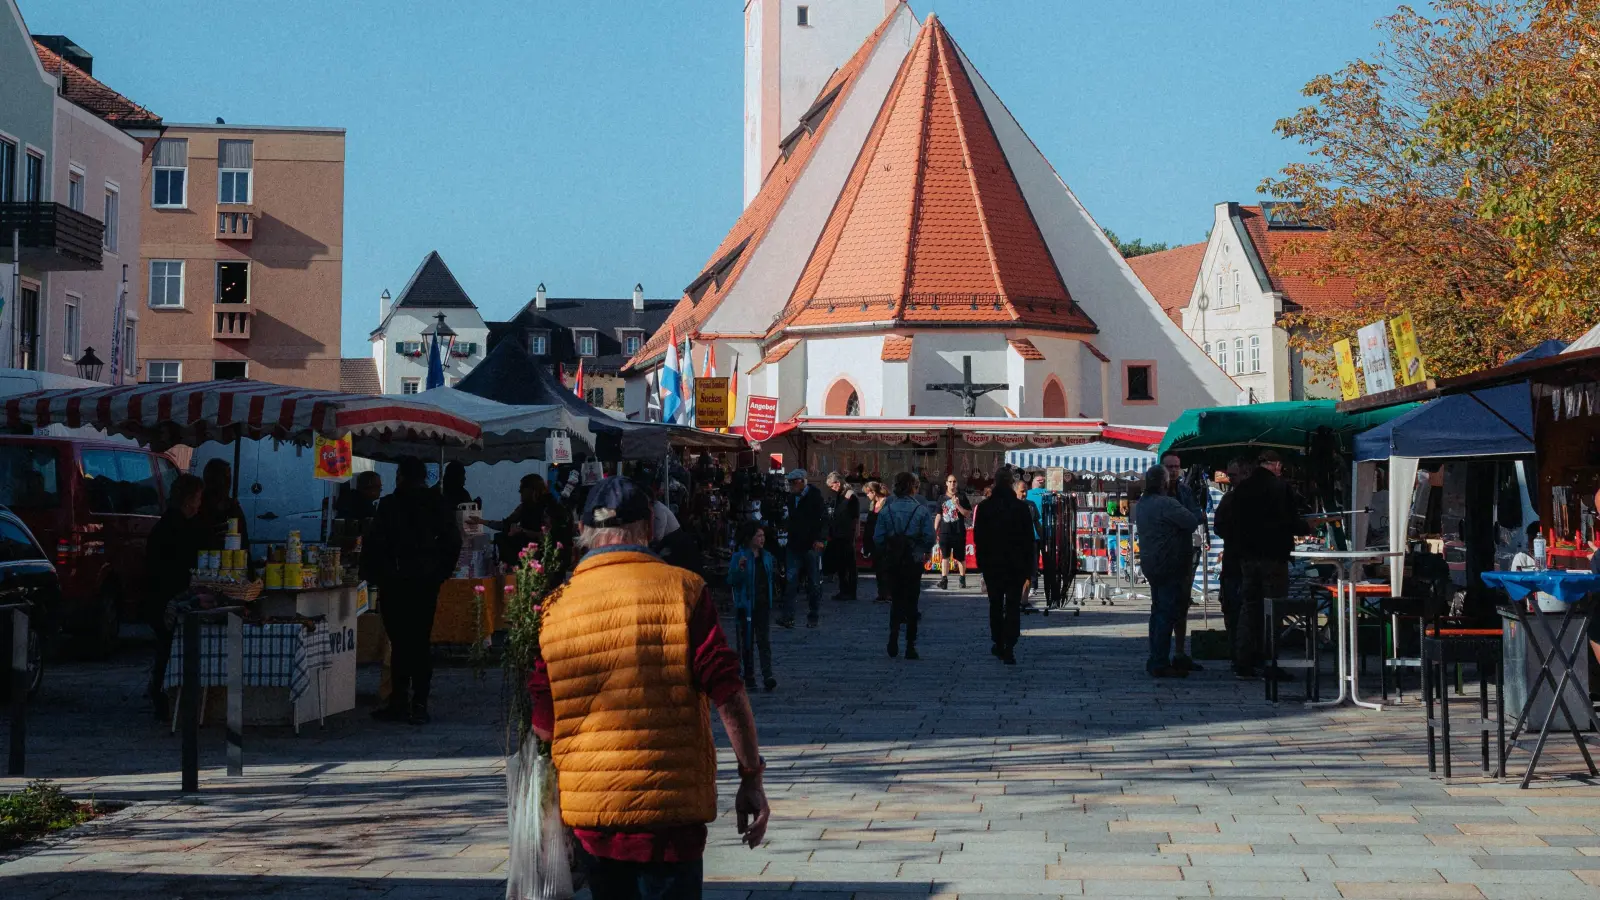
(120, 483)
(233, 282)
(1206, 347)
(234, 162)
(1222, 355)
(28, 477)
(1139, 379)
(632, 343)
(1238, 356)
(225, 370)
(33, 178)
(410, 385)
(1255, 353)
(163, 371)
(113, 203)
(130, 339)
(1221, 298)
(170, 173)
(75, 197)
(166, 283)
(539, 344)
(594, 396)
(408, 348)
(622, 395)
(802, 16)
(69, 328)
(464, 349)
(585, 343)
(168, 473)
(1235, 287)
(16, 545)
(8, 171)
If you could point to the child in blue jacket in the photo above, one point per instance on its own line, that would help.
(750, 573)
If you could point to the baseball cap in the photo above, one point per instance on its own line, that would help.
(796, 475)
(614, 502)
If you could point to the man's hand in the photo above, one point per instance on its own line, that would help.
(750, 803)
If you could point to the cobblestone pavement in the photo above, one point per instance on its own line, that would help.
(1070, 774)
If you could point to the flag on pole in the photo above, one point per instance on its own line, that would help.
(733, 389)
(709, 370)
(579, 390)
(671, 382)
(687, 417)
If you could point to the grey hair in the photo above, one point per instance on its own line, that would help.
(1155, 480)
(632, 533)
(835, 478)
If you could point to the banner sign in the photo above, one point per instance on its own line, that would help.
(1349, 387)
(558, 449)
(711, 403)
(1412, 369)
(1375, 357)
(331, 460)
(1055, 478)
(760, 418)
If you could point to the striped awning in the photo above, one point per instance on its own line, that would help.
(167, 415)
(1086, 459)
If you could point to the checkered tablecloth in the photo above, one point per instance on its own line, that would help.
(275, 655)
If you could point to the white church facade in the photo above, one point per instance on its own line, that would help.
(913, 263)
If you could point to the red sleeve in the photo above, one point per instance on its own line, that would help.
(716, 666)
(544, 705)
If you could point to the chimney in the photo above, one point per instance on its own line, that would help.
(383, 305)
(538, 297)
(638, 298)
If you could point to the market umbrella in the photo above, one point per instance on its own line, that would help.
(1288, 425)
(510, 433)
(192, 413)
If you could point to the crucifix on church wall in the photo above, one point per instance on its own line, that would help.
(967, 390)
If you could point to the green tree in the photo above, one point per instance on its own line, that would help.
(1136, 247)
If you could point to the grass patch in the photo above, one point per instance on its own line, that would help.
(39, 809)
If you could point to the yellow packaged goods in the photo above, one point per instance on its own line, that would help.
(274, 576)
(291, 575)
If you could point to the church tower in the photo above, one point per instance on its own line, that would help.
(791, 49)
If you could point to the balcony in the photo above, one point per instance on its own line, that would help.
(230, 324)
(54, 237)
(236, 221)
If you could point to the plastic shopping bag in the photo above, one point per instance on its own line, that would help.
(540, 867)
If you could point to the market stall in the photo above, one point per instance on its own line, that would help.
(1099, 476)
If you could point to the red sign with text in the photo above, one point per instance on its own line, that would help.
(760, 418)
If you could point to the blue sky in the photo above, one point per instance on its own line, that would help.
(591, 145)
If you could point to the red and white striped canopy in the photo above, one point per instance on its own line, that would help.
(167, 415)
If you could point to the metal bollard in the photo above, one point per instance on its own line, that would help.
(19, 691)
(189, 702)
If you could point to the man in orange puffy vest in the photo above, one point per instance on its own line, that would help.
(632, 659)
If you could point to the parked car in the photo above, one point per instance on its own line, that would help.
(91, 504)
(26, 576)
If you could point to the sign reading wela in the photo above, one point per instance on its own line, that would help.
(1375, 357)
(1412, 369)
(1349, 387)
(711, 403)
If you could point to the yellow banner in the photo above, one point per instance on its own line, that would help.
(711, 403)
(1412, 369)
(1349, 386)
(331, 459)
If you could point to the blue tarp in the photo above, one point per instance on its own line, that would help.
(1456, 426)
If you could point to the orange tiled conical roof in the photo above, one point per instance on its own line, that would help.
(931, 227)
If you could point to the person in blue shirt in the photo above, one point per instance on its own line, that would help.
(750, 575)
(903, 539)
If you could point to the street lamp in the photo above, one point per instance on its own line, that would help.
(89, 365)
(443, 334)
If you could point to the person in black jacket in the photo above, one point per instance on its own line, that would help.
(411, 552)
(806, 522)
(1003, 538)
(842, 527)
(1263, 522)
(1231, 589)
(171, 553)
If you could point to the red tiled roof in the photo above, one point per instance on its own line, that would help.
(1300, 292)
(896, 348)
(1170, 276)
(90, 93)
(1025, 348)
(932, 227)
(752, 225)
(359, 375)
(1096, 351)
(779, 350)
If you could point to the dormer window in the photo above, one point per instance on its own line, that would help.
(585, 339)
(539, 343)
(632, 340)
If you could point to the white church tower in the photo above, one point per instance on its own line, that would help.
(791, 49)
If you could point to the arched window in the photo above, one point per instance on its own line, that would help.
(1221, 300)
(1055, 400)
(1222, 355)
(1207, 347)
(1255, 353)
(1238, 356)
(842, 400)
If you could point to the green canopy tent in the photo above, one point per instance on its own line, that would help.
(1290, 426)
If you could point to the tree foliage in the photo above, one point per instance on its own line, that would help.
(1135, 247)
(1443, 195)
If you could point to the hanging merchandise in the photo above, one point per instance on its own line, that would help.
(332, 459)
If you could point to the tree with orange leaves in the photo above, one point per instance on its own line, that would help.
(1432, 198)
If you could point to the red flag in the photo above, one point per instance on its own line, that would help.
(579, 391)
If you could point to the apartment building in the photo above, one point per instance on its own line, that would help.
(241, 256)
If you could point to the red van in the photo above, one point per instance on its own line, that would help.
(91, 503)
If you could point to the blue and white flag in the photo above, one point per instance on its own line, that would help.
(688, 384)
(671, 383)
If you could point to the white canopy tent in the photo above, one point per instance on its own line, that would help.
(1094, 458)
(510, 433)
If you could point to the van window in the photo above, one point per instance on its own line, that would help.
(15, 544)
(28, 477)
(169, 474)
(120, 483)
